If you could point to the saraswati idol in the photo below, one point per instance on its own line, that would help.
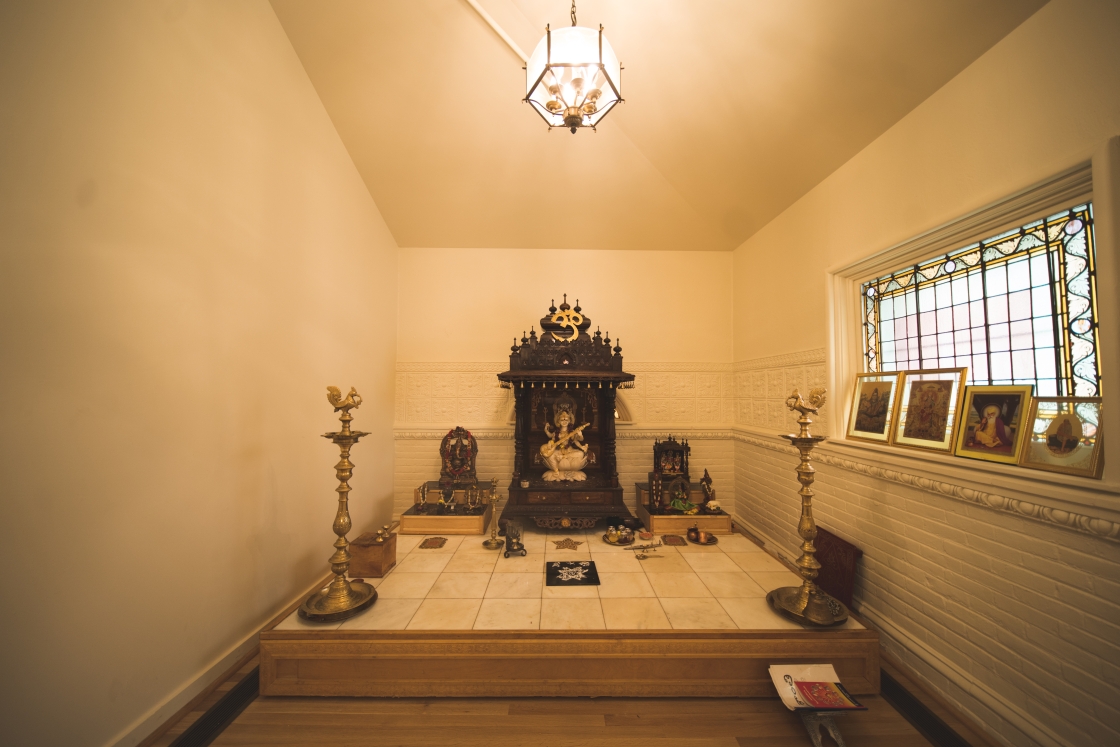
(564, 452)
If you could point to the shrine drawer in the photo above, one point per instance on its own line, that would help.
(590, 497)
(544, 498)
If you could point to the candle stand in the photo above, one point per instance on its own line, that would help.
(807, 603)
(342, 598)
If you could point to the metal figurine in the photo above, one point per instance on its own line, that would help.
(493, 543)
(807, 603)
(342, 598)
(422, 506)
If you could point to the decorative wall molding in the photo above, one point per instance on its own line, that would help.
(1091, 525)
(623, 433)
(423, 434)
(639, 367)
(418, 367)
(634, 367)
(800, 358)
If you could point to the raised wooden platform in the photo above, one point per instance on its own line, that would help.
(677, 524)
(414, 523)
(485, 663)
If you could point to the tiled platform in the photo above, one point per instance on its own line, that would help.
(463, 586)
(462, 621)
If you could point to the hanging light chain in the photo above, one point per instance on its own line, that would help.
(573, 12)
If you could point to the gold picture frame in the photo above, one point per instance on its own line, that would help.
(926, 410)
(872, 411)
(992, 422)
(1065, 436)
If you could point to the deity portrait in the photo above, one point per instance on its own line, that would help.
(564, 453)
(1063, 435)
(992, 422)
(871, 412)
(927, 412)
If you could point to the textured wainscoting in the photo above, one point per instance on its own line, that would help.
(763, 384)
(1012, 619)
(688, 400)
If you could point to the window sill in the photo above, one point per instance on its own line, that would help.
(941, 472)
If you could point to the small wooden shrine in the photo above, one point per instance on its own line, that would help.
(564, 384)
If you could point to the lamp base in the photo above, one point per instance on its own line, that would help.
(493, 544)
(817, 609)
(322, 607)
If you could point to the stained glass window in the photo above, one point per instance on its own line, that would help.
(1017, 308)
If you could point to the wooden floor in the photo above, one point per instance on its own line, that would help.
(551, 722)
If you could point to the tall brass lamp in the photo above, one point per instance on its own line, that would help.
(342, 598)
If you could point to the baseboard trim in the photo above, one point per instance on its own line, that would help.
(220, 715)
(145, 730)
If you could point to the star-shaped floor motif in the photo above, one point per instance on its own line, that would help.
(566, 544)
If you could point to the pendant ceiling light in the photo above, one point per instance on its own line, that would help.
(573, 78)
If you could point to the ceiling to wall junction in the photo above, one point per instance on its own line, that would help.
(734, 109)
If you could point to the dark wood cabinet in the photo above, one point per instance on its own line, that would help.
(565, 381)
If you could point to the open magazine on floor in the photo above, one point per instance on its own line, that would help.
(812, 687)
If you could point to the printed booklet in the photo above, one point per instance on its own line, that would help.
(812, 687)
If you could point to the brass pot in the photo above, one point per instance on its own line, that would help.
(694, 533)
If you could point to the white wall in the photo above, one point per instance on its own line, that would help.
(187, 258)
(460, 310)
(969, 573)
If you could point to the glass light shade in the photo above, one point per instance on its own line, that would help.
(573, 77)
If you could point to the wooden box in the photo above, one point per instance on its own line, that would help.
(676, 523)
(416, 523)
(369, 559)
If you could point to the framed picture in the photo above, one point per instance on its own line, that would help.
(992, 423)
(1065, 436)
(926, 413)
(873, 406)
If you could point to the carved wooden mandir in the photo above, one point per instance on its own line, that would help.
(566, 368)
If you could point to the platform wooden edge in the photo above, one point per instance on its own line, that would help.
(555, 663)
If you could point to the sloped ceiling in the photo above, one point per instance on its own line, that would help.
(734, 109)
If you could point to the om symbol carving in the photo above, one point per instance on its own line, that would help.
(570, 319)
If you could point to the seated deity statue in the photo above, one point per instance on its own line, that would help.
(564, 452)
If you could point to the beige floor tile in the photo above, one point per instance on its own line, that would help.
(613, 562)
(385, 614)
(445, 614)
(509, 614)
(694, 614)
(460, 586)
(756, 561)
(515, 586)
(374, 582)
(771, 581)
(571, 614)
(634, 614)
(850, 624)
(731, 585)
(406, 543)
(688, 547)
(666, 563)
(472, 544)
(678, 585)
(569, 592)
(551, 554)
(470, 562)
(755, 614)
(737, 543)
(416, 562)
(529, 563)
(620, 585)
(295, 622)
(406, 585)
(703, 562)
